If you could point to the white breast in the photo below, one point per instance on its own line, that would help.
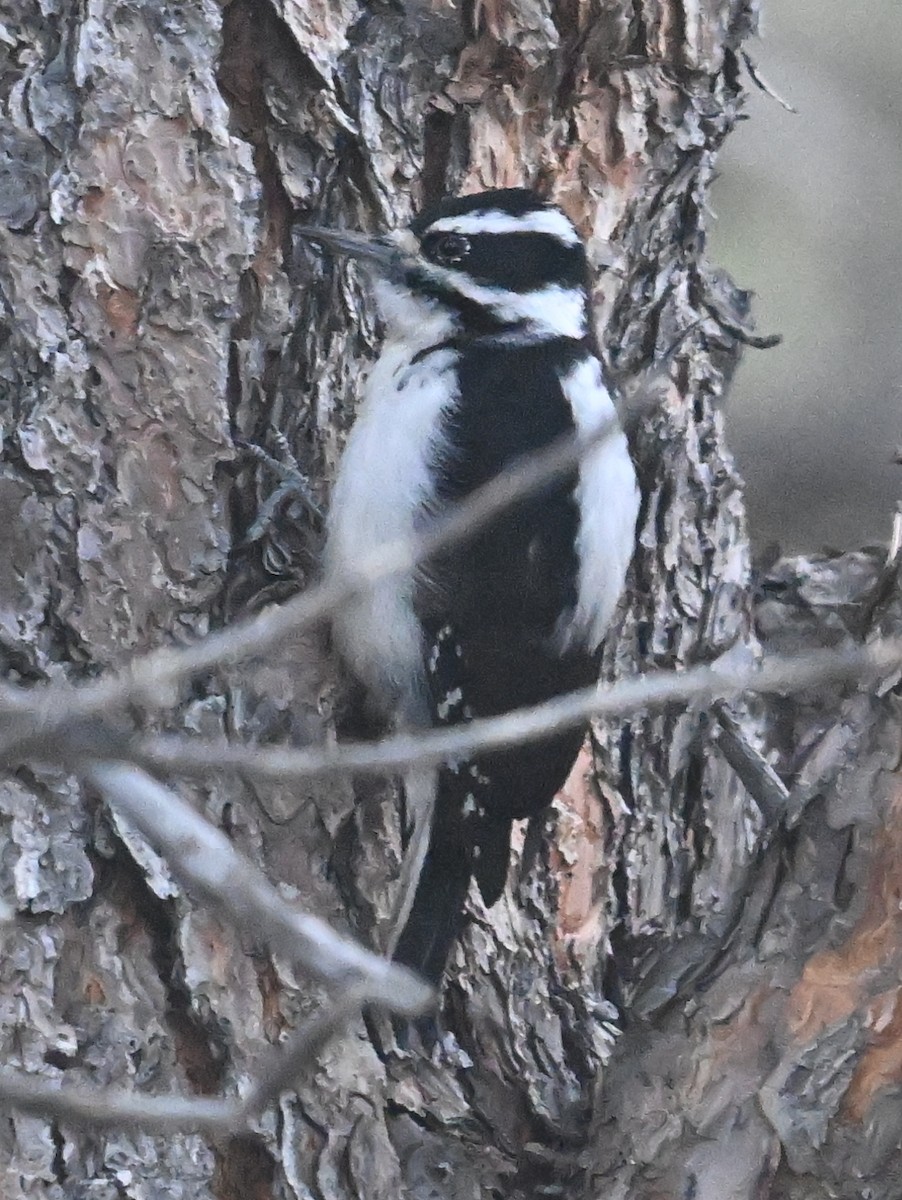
(608, 498)
(383, 483)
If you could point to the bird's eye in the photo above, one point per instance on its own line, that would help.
(446, 248)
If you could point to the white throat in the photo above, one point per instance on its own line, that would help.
(419, 320)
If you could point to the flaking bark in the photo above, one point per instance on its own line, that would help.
(157, 312)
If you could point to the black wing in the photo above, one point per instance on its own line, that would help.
(491, 611)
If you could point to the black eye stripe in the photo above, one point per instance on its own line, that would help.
(521, 262)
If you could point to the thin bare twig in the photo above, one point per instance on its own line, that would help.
(759, 778)
(761, 83)
(718, 681)
(152, 679)
(285, 1064)
(211, 868)
(204, 858)
(115, 1106)
(171, 1114)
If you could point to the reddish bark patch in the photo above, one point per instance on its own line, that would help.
(575, 856)
(837, 983)
(881, 1064)
(245, 1170)
(270, 994)
(122, 308)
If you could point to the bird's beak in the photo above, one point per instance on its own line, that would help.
(379, 253)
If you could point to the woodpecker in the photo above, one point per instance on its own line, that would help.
(489, 356)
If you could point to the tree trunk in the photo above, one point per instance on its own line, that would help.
(157, 314)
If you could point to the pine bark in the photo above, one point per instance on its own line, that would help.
(678, 995)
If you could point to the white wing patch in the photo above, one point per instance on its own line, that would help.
(608, 498)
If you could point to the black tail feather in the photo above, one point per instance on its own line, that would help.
(436, 916)
(491, 867)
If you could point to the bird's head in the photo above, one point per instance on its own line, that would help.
(499, 263)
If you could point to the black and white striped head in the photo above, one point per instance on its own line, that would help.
(500, 262)
(502, 258)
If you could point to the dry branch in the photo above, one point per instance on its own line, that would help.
(698, 685)
(162, 1114)
(115, 1107)
(207, 863)
(153, 679)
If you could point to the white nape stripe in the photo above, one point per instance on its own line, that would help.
(608, 501)
(491, 220)
(555, 310)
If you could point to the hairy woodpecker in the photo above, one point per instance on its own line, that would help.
(489, 356)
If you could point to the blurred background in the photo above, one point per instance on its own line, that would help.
(809, 209)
